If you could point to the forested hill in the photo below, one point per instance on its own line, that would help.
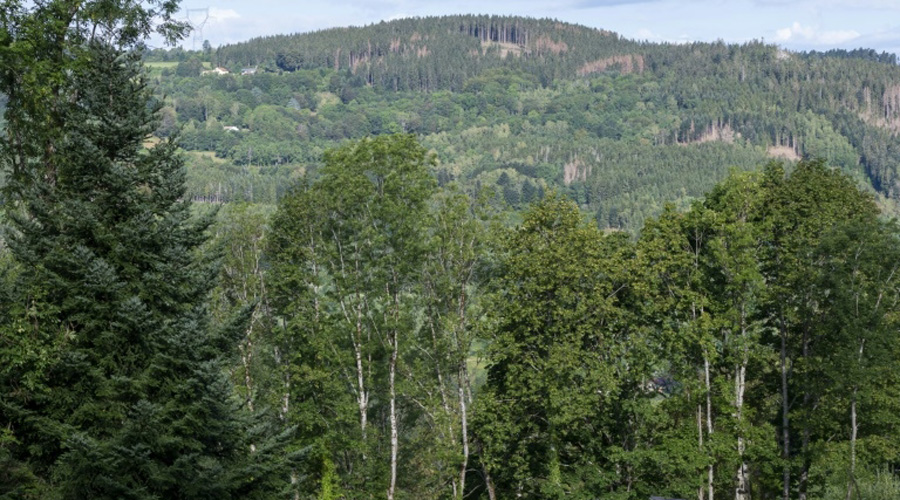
(622, 127)
(385, 328)
(443, 53)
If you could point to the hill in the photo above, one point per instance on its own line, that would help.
(443, 53)
(526, 105)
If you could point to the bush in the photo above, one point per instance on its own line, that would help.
(879, 486)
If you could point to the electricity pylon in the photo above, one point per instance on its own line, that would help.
(201, 15)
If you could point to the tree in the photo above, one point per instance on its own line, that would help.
(671, 253)
(56, 34)
(453, 276)
(124, 392)
(735, 282)
(552, 360)
(346, 254)
(798, 211)
(857, 328)
(191, 67)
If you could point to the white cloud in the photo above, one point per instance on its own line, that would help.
(808, 34)
(217, 15)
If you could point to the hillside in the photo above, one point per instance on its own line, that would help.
(589, 268)
(526, 105)
(443, 53)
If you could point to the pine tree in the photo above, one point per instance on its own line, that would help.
(117, 387)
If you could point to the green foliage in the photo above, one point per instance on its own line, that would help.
(552, 359)
(191, 67)
(770, 274)
(620, 127)
(344, 256)
(376, 333)
(878, 486)
(113, 383)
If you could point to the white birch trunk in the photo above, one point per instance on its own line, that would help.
(701, 493)
(395, 441)
(854, 428)
(742, 490)
(489, 484)
(362, 398)
(853, 431)
(464, 421)
(295, 480)
(246, 358)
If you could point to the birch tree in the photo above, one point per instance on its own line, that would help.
(357, 236)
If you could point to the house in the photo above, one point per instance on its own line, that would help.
(249, 71)
(231, 128)
(218, 71)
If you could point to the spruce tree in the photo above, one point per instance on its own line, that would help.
(114, 384)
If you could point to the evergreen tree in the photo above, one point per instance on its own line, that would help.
(114, 384)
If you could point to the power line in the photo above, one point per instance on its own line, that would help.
(201, 15)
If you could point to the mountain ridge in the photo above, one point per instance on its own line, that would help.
(644, 123)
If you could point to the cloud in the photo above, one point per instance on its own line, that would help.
(887, 40)
(217, 15)
(797, 33)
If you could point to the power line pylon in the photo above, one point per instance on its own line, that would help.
(201, 16)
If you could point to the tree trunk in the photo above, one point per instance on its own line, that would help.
(445, 404)
(805, 435)
(709, 425)
(854, 427)
(295, 482)
(246, 350)
(362, 397)
(804, 450)
(853, 431)
(489, 484)
(464, 420)
(742, 491)
(701, 493)
(395, 442)
(785, 422)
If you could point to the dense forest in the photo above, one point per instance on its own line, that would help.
(461, 257)
(524, 105)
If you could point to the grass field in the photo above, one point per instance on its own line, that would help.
(161, 65)
(157, 66)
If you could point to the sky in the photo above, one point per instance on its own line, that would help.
(792, 24)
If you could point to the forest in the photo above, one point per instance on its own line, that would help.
(620, 127)
(528, 274)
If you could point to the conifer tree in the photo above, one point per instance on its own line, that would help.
(114, 384)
